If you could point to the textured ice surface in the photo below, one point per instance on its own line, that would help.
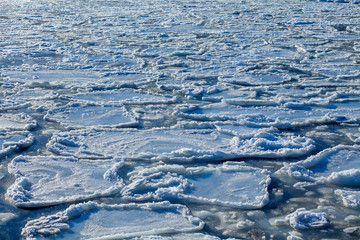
(11, 142)
(48, 180)
(178, 144)
(77, 115)
(303, 219)
(205, 81)
(100, 221)
(350, 199)
(21, 121)
(338, 165)
(236, 185)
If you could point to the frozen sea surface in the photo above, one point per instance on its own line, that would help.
(203, 119)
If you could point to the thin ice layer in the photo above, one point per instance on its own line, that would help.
(91, 220)
(11, 142)
(350, 199)
(50, 180)
(178, 144)
(77, 115)
(338, 165)
(20, 121)
(230, 184)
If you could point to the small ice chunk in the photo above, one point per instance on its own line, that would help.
(77, 115)
(351, 230)
(338, 165)
(231, 184)
(21, 121)
(303, 219)
(350, 199)
(101, 221)
(50, 180)
(11, 142)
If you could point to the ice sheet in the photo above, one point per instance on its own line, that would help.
(49, 180)
(100, 221)
(82, 115)
(178, 144)
(231, 184)
(338, 165)
(11, 142)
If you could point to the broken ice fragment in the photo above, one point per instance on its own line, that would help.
(178, 144)
(11, 122)
(338, 165)
(77, 115)
(303, 219)
(11, 142)
(230, 184)
(101, 221)
(350, 199)
(50, 180)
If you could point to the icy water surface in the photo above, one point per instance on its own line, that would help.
(204, 119)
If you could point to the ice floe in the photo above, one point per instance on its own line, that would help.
(124, 96)
(231, 184)
(16, 121)
(82, 115)
(338, 165)
(262, 113)
(50, 180)
(178, 144)
(350, 199)
(100, 221)
(303, 219)
(11, 142)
